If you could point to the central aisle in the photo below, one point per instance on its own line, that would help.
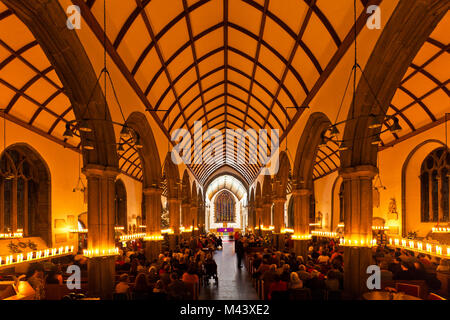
(234, 283)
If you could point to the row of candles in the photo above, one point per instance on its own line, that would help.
(35, 255)
(420, 246)
(15, 235)
(101, 252)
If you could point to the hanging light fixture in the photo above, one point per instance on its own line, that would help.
(126, 132)
(83, 126)
(323, 140)
(138, 144)
(68, 132)
(377, 140)
(343, 146)
(334, 131)
(395, 128)
(374, 121)
(88, 145)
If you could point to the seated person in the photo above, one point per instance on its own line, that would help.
(177, 290)
(158, 292)
(141, 288)
(122, 286)
(190, 276)
(277, 285)
(295, 282)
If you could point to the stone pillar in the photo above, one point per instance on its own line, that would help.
(301, 202)
(193, 218)
(357, 227)
(278, 222)
(101, 193)
(152, 198)
(174, 221)
(201, 218)
(185, 213)
(251, 217)
(259, 221)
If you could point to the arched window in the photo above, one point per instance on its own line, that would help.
(341, 203)
(24, 193)
(434, 183)
(224, 207)
(120, 200)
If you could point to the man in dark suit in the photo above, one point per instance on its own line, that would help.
(240, 252)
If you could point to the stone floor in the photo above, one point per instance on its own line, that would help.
(234, 283)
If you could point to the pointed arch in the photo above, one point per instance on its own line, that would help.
(282, 176)
(267, 190)
(409, 27)
(186, 188)
(172, 177)
(194, 192)
(148, 154)
(46, 20)
(24, 172)
(307, 149)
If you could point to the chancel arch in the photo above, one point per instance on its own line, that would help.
(226, 198)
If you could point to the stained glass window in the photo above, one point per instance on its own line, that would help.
(224, 207)
(434, 181)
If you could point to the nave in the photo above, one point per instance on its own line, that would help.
(135, 134)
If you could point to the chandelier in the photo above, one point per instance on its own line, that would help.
(331, 133)
(74, 128)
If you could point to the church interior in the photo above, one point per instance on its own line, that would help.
(224, 150)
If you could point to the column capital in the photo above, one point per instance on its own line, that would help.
(95, 170)
(152, 190)
(368, 171)
(267, 204)
(279, 200)
(301, 192)
(174, 200)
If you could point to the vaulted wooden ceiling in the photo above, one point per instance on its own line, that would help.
(228, 63)
(422, 98)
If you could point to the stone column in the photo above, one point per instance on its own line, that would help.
(266, 217)
(357, 227)
(251, 217)
(174, 221)
(278, 222)
(152, 198)
(301, 202)
(259, 221)
(101, 193)
(193, 218)
(201, 218)
(185, 213)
